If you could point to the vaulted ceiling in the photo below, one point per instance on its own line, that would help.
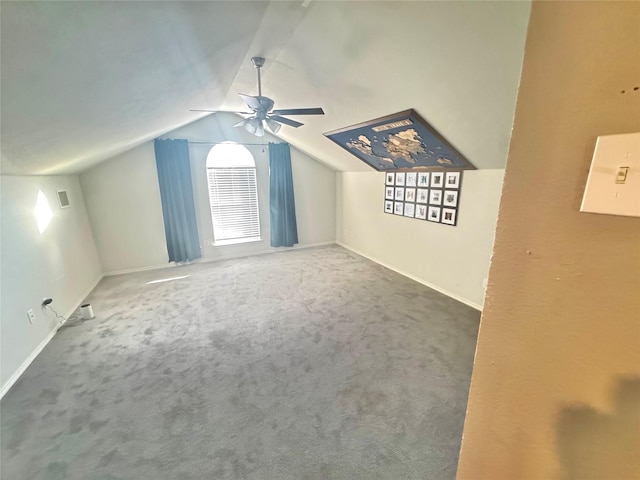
(83, 81)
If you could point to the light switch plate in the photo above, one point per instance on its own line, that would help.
(613, 186)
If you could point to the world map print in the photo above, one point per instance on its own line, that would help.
(401, 141)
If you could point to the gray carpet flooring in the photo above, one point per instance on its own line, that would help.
(303, 364)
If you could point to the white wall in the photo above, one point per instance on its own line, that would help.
(61, 263)
(124, 206)
(472, 78)
(123, 201)
(454, 260)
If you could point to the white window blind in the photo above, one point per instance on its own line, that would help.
(233, 196)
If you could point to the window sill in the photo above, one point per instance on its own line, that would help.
(236, 241)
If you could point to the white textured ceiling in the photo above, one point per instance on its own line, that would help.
(83, 81)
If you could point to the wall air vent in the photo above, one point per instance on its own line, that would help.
(63, 199)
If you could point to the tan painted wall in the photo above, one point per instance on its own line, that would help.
(556, 383)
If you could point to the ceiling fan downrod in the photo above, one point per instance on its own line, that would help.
(258, 62)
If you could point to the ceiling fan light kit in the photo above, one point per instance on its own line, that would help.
(263, 116)
(273, 125)
(251, 125)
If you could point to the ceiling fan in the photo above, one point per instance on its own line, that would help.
(262, 113)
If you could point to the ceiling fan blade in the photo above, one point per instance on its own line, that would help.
(252, 102)
(286, 121)
(221, 111)
(299, 111)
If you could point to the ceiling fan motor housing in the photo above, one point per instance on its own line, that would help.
(266, 104)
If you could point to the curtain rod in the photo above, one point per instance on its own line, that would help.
(234, 143)
(198, 142)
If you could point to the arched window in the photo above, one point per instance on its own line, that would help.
(233, 194)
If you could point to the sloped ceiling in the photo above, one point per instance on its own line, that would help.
(83, 81)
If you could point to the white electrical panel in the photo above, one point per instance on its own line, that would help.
(613, 186)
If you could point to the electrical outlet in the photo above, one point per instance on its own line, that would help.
(31, 316)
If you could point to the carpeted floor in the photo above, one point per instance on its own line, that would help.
(304, 364)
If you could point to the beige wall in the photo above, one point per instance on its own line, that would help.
(453, 260)
(123, 199)
(556, 383)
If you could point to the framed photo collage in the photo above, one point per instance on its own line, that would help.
(431, 196)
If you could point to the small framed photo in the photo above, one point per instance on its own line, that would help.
(399, 194)
(388, 193)
(423, 179)
(421, 212)
(449, 216)
(423, 195)
(409, 194)
(433, 214)
(411, 179)
(400, 179)
(409, 209)
(435, 197)
(452, 180)
(437, 179)
(450, 198)
(390, 178)
(388, 206)
(398, 208)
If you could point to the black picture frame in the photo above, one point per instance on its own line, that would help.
(435, 204)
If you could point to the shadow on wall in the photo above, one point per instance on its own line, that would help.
(594, 445)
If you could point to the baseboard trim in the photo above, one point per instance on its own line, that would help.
(137, 269)
(222, 257)
(413, 277)
(18, 373)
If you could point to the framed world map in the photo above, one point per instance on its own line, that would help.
(403, 141)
